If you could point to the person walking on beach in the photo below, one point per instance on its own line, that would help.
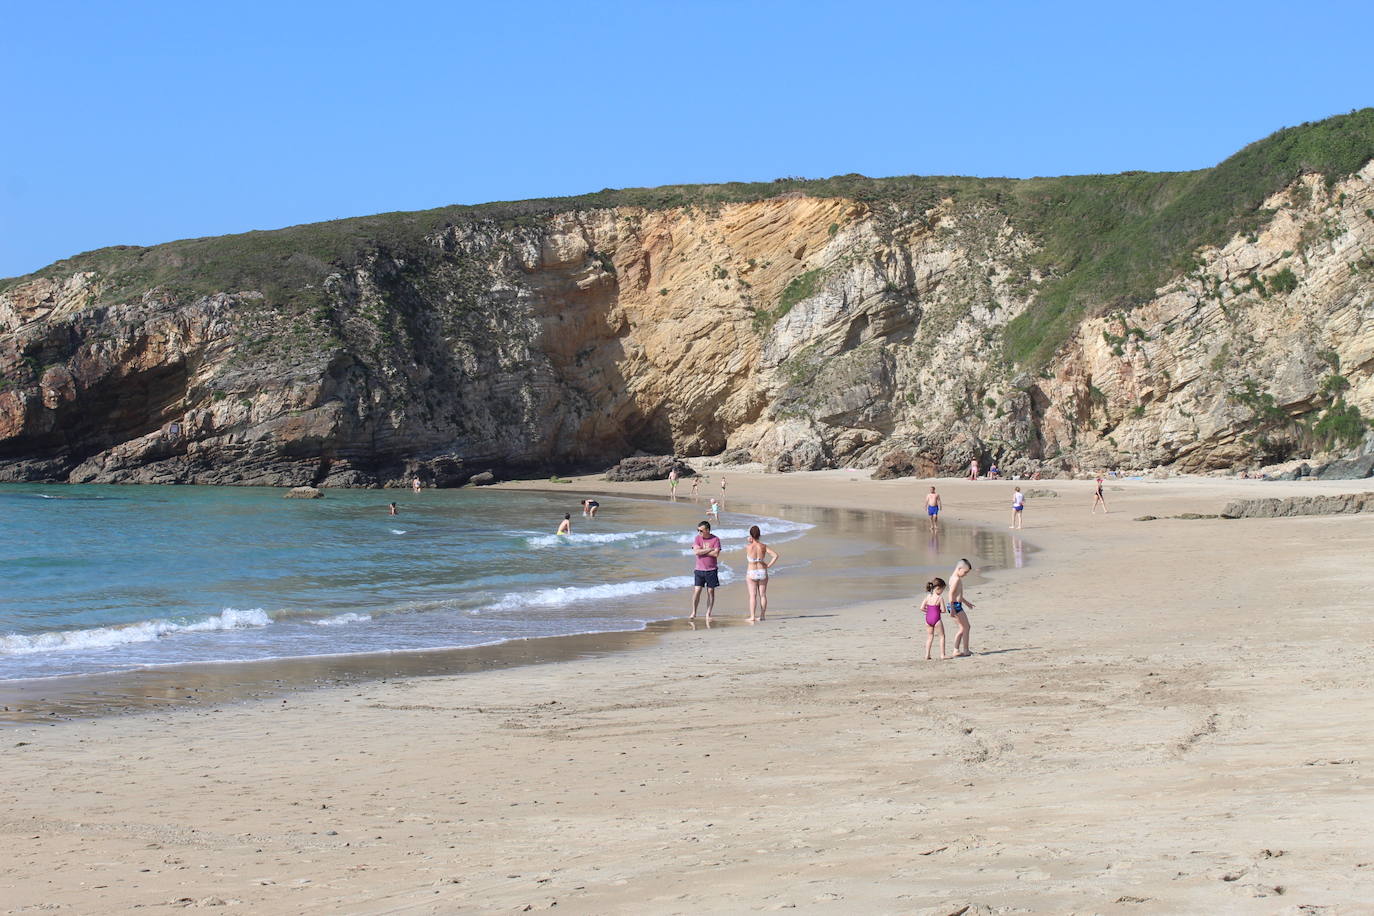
(695, 483)
(706, 546)
(722, 489)
(933, 607)
(957, 603)
(1098, 498)
(1018, 503)
(761, 558)
(565, 526)
(933, 508)
(672, 484)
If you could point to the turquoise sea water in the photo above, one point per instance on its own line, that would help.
(99, 579)
(104, 578)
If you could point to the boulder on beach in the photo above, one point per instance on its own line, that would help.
(648, 467)
(1343, 469)
(1344, 504)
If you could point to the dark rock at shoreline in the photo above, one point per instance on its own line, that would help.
(648, 467)
(1351, 469)
(1345, 504)
(484, 479)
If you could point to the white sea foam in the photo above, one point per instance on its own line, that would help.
(609, 537)
(768, 527)
(398, 531)
(573, 594)
(340, 620)
(143, 631)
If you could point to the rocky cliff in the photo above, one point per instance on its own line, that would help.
(1222, 318)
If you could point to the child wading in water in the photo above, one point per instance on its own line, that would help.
(934, 607)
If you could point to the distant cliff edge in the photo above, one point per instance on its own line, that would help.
(1222, 318)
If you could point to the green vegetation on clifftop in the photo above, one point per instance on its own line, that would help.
(1107, 241)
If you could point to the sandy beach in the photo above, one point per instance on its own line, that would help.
(1159, 717)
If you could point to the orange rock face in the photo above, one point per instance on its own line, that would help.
(804, 332)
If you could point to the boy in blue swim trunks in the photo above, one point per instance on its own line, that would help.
(956, 603)
(933, 508)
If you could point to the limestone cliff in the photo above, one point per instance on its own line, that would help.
(808, 329)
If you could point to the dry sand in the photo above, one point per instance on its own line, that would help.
(1168, 716)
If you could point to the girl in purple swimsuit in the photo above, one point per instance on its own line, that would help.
(934, 607)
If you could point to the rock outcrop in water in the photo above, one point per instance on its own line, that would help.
(933, 321)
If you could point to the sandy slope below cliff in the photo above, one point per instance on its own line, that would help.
(1165, 717)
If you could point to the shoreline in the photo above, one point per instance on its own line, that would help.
(1161, 717)
(59, 698)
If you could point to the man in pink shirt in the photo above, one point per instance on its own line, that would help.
(707, 548)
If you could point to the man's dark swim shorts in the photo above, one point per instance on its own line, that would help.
(707, 578)
(956, 607)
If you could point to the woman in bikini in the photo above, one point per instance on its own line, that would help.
(761, 558)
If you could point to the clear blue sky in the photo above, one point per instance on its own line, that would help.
(142, 122)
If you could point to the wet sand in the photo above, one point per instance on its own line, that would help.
(1161, 717)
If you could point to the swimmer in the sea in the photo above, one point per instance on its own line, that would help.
(565, 526)
(761, 558)
(391, 509)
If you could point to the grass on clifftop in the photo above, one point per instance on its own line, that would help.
(1107, 241)
(1113, 240)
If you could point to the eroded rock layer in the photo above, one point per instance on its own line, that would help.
(806, 331)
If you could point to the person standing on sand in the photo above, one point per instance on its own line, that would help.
(1018, 503)
(933, 508)
(973, 469)
(761, 558)
(565, 526)
(695, 483)
(1099, 498)
(932, 608)
(706, 546)
(722, 489)
(714, 510)
(672, 484)
(957, 603)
